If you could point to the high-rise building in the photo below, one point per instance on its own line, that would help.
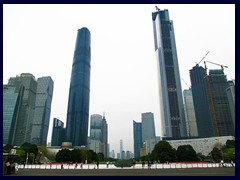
(148, 127)
(191, 123)
(42, 111)
(58, 132)
(220, 109)
(98, 134)
(137, 136)
(200, 101)
(104, 136)
(12, 100)
(231, 99)
(26, 112)
(170, 92)
(121, 148)
(79, 91)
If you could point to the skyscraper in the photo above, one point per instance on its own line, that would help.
(137, 138)
(170, 93)
(220, 109)
(200, 101)
(12, 100)
(42, 111)
(79, 91)
(231, 99)
(25, 117)
(121, 148)
(98, 134)
(190, 114)
(58, 132)
(148, 126)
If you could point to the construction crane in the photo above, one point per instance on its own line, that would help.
(203, 57)
(186, 83)
(222, 66)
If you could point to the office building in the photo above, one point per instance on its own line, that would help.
(219, 105)
(12, 100)
(26, 112)
(137, 138)
(148, 126)
(200, 100)
(42, 111)
(79, 91)
(231, 99)
(58, 132)
(191, 123)
(121, 148)
(98, 134)
(170, 92)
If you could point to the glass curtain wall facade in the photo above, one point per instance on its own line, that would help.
(42, 111)
(219, 85)
(170, 93)
(137, 135)
(148, 126)
(190, 114)
(26, 114)
(58, 132)
(79, 91)
(200, 101)
(12, 100)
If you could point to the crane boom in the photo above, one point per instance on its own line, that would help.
(217, 64)
(204, 57)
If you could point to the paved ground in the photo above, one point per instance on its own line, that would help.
(224, 171)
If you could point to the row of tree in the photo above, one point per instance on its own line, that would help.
(164, 152)
(78, 155)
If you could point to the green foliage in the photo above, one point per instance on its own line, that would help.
(100, 157)
(216, 154)
(91, 156)
(123, 163)
(63, 156)
(7, 148)
(230, 144)
(186, 153)
(76, 155)
(164, 152)
(229, 154)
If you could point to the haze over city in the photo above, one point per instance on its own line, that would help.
(123, 80)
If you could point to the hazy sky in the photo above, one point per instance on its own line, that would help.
(40, 39)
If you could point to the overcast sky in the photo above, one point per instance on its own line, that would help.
(40, 39)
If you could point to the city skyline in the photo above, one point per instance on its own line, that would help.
(124, 70)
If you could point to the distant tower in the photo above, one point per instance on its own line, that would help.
(231, 99)
(190, 113)
(42, 111)
(79, 91)
(170, 92)
(58, 132)
(148, 127)
(137, 136)
(121, 148)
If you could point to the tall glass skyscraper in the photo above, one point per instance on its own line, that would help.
(170, 92)
(223, 120)
(58, 132)
(42, 112)
(148, 126)
(191, 123)
(12, 100)
(137, 136)
(200, 100)
(26, 112)
(79, 91)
